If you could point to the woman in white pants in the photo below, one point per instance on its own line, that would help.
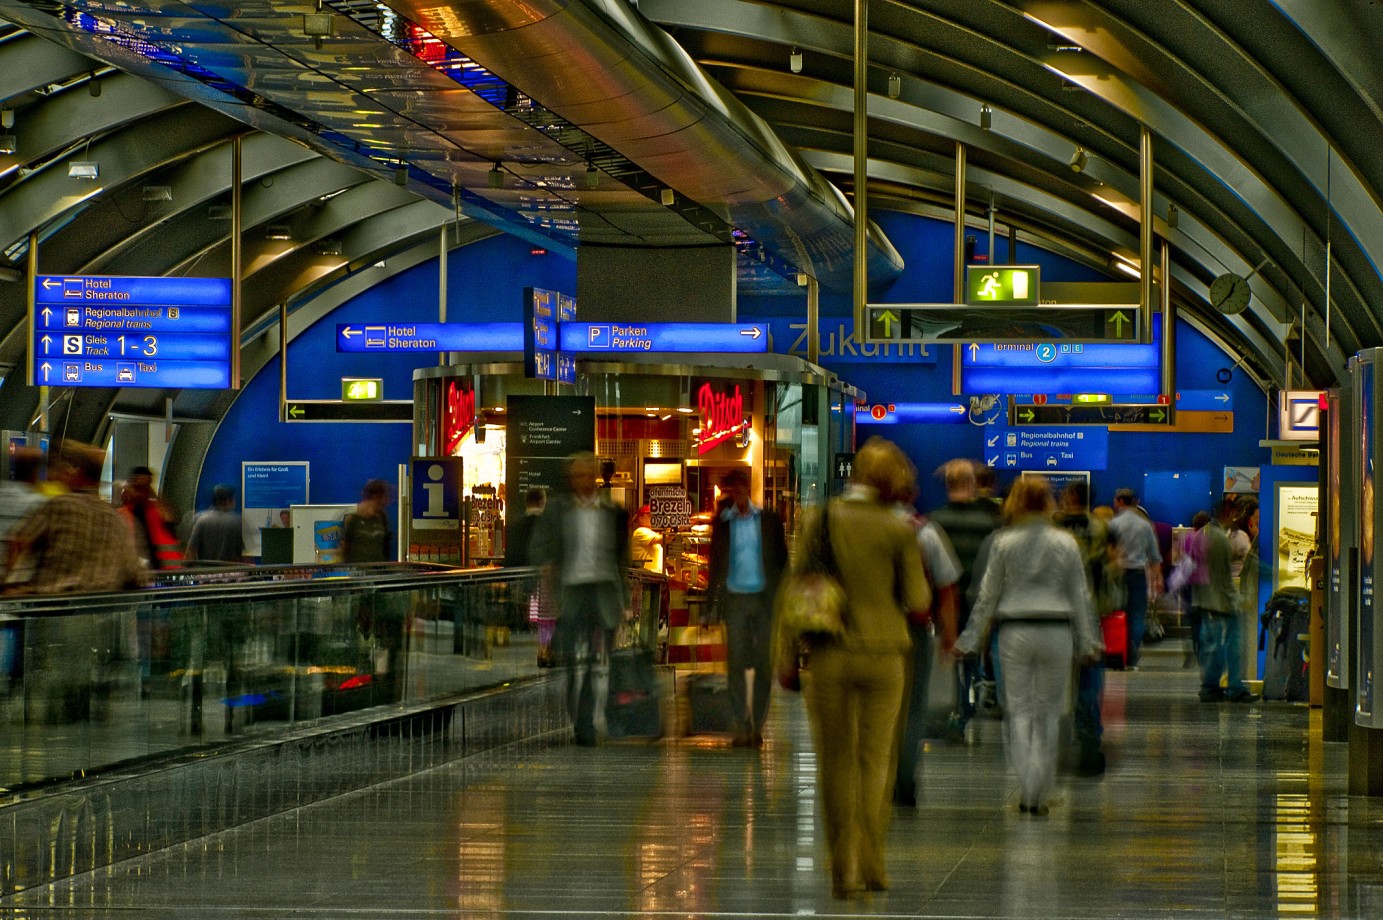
(1034, 592)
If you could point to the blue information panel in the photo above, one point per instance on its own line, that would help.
(1059, 369)
(125, 331)
(273, 485)
(1046, 448)
(540, 333)
(684, 338)
(436, 484)
(390, 337)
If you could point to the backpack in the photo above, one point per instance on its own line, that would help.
(1092, 538)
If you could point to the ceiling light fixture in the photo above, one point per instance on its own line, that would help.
(592, 176)
(668, 197)
(278, 232)
(795, 60)
(495, 178)
(157, 193)
(1079, 160)
(318, 26)
(93, 87)
(1121, 264)
(9, 144)
(83, 169)
(329, 248)
(401, 176)
(895, 86)
(6, 119)
(986, 117)
(219, 212)
(1173, 216)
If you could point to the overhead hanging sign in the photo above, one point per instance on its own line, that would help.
(1047, 448)
(408, 337)
(684, 338)
(965, 324)
(544, 312)
(131, 331)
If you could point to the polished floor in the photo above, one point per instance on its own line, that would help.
(1206, 811)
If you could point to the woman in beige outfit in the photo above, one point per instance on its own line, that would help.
(855, 690)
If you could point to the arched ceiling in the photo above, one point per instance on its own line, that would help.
(367, 136)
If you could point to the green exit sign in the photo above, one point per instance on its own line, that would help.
(1006, 285)
(360, 389)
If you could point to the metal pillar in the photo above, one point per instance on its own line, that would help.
(861, 287)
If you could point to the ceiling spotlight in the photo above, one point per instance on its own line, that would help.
(6, 119)
(1079, 160)
(801, 279)
(1173, 215)
(895, 86)
(592, 176)
(9, 143)
(278, 232)
(668, 197)
(218, 212)
(986, 117)
(795, 60)
(328, 247)
(401, 176)
(495, 178)
(83, 169)
(157, 193)
(93, 87)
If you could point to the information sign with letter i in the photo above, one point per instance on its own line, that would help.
(436, 487)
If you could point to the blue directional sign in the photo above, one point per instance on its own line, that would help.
(127, 331)
(1047, 448)
(401, 337)
(539, 333)
(1057, 367)
(902, 413)
(683, 338)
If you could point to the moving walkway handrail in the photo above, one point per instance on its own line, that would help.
(239, 584)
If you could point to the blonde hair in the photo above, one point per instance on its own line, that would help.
(883, 466)
(1029, 495)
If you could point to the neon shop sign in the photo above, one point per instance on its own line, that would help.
(722, 417)
(458, 415)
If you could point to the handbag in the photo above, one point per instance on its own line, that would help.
(811, 601)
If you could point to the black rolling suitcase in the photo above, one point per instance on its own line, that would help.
(633, 704)
(1285, 637)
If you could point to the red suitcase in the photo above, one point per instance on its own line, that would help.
(1115, 629)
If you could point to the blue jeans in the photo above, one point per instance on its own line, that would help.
(1136, 606)
(1222, 654)
(1089, 727)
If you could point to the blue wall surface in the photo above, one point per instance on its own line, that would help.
(485, 284)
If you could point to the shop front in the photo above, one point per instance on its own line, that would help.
(665, 435)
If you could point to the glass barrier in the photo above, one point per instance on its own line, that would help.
(93, 681)
(90, 682)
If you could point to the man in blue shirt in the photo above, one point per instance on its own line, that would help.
(1133, 534)
(748, 555)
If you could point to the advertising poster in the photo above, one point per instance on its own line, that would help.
(326, 540)
(267, 491)
(1241, 480)
(1296, 533)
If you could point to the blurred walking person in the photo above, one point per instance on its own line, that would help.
(582, 543)
(855, 692)
(967, 519)
(1034, 592)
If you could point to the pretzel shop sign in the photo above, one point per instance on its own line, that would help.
(722, 416)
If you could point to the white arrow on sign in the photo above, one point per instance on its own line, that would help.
(754, 331)
(349, 331)
(1223, 397)
(47, 314)
(992, 461)
(45, 367)
(49, 283)
(992, 441)
(46, 340)
(957, 410)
